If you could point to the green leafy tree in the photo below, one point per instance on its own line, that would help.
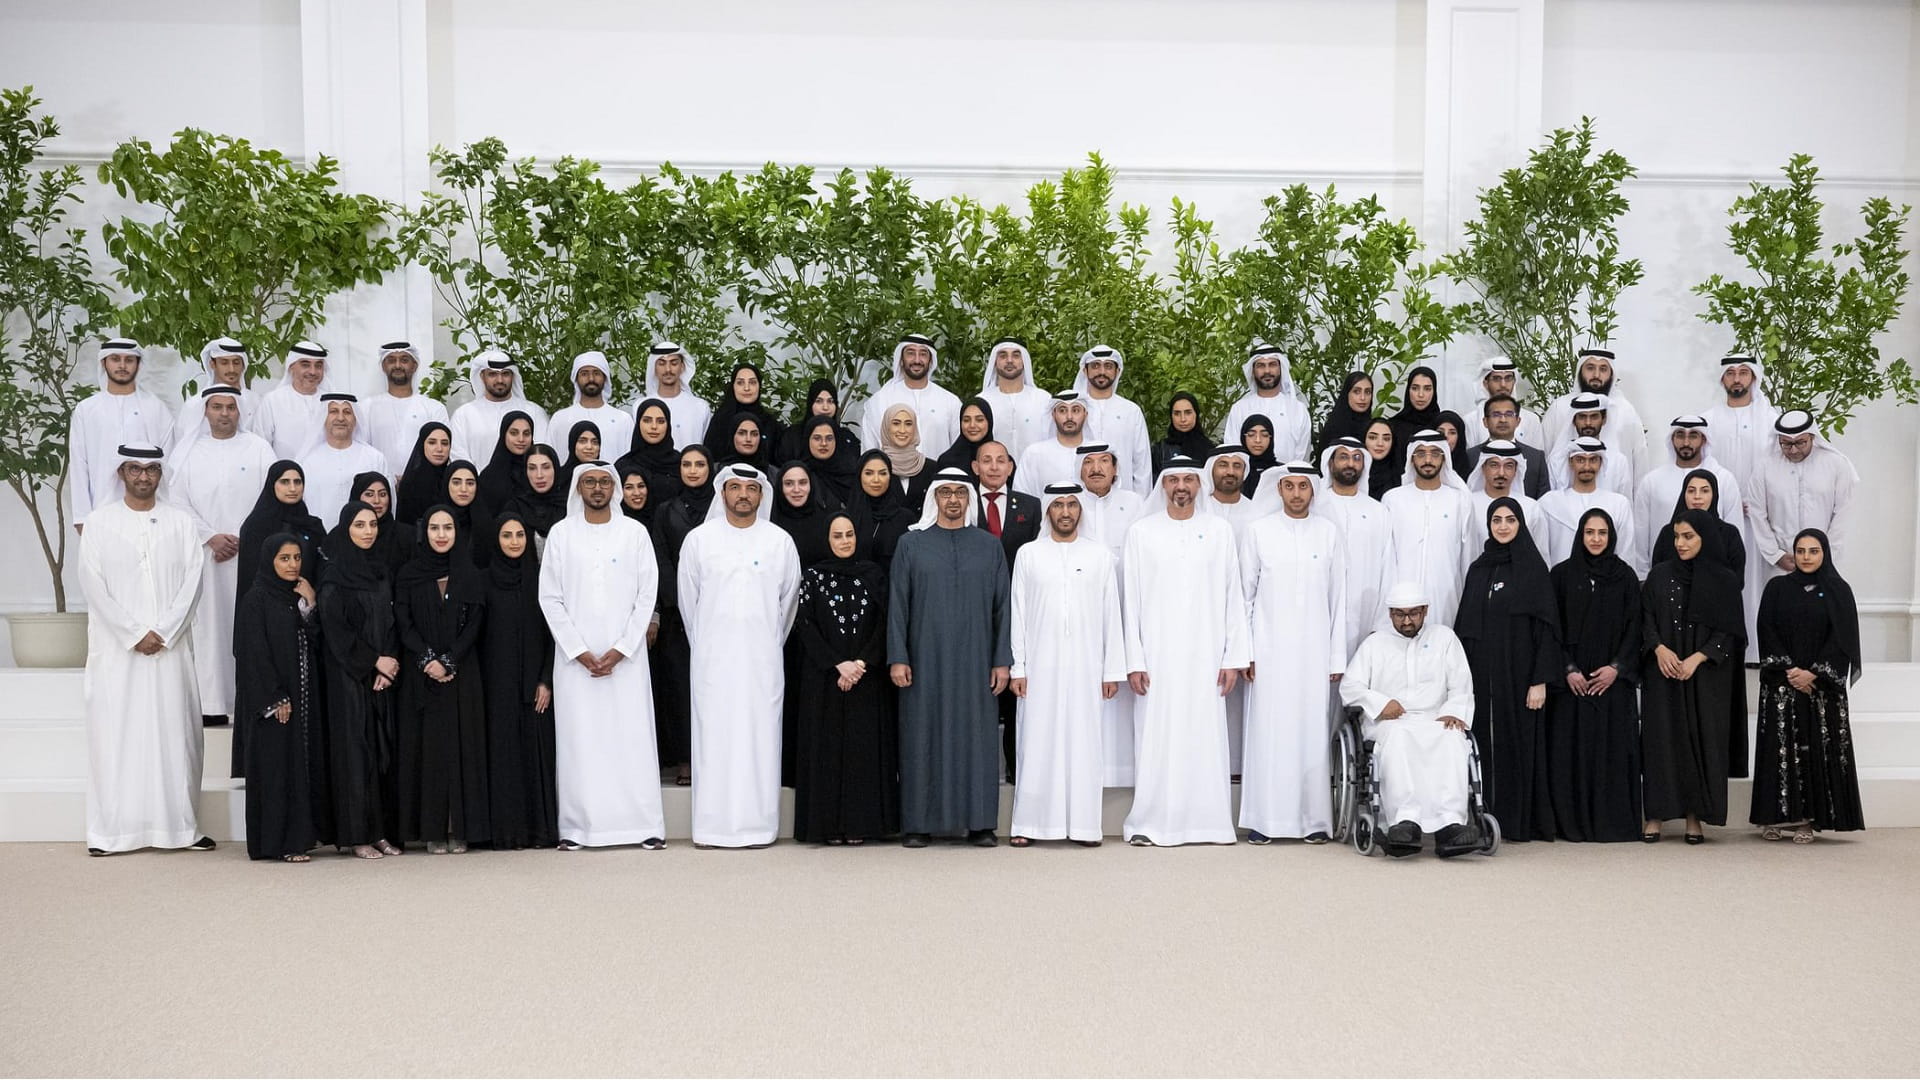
(1543, 259)
(49, 301)
(1336, 285)
(1811, 323)
(236, 241)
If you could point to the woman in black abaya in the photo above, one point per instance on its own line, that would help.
(544, 502)
(1510, 629)
(362, 650)
(1420, 409)
(505, 475)
(823, 400)
(1186, 433)
(516, 667)
(1385, 468)
(1351, 413)
(976, 427)
(1593, 716)
(672, 655)
(744, 397)
(845, 785)
(281, 508)
(391, 547)
(878, 509)
(834, 457)
(1256, 434)
(652, 452)
(423, 482)
(439, 605)
(1804, 778)
(1700, 490)
(277, 701)
(1693, 686)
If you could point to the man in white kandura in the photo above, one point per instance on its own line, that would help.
(1114, 420)
(1069, 658)
(1116, 507)
(1294, 574)
(223, 362)
(670, 378)
(739, 583)
(140, 563)
(332, 465)
(1415, 694)
(1021, 410)
(215, 473)
(1272, 393)
(1432, 515)
(497, 391)
(1690, 446)
(1802, 483)
(1185, 618)
(119, 413)
(1626, 435)
(1562, 508)
(1742, 424)
(1055, 457)
(394, 418)
(1501, 473)
(598, 580)
(1227, 470)
(1591, 419)
(1366, 533)
(934, 406)
(592, 379)
(291, 416)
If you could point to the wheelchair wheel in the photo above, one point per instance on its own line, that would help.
(1364, 839)
(1346, 782)
(1489, 833)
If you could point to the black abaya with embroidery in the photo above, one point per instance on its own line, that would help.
(357, 628)
(847, 750)
(1510, 630)
(275, 647)
(1686, 725)
(516, 660)
(442, 726)
(1593, 741)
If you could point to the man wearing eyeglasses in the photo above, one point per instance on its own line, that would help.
(1501, 416)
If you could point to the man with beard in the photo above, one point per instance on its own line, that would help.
(1563, 508)
(291, 416)
(139, 570)
(214, 474)
(1294, 575)
(1432, 516)
(1501, 474)
(1114, 420)
(121, 413)
(1626, 436)
(1115, 507)
(1021, 410)
(497, 391)
(1272, 393)
(1743, 421)
(1366, 532)
(1054, 459)
(1414, 691)
(1500, 422)
(223, 362)
(1803, 483)
(1659, 489)
(1590, 415)
(934, 406)
(1499, 377)
(592, 382)
(1185, 617)
(332, 465)
(1227, 467)
(669, 375)
(948, 651)
(1069, 658)
(394, 418)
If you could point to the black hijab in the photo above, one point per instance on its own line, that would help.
(422, 483)
(278, 593)
(1513, 567)
(806, 523)
(1385, 474)
(348, 565)
(513, 588)
(1459, 446)
(1731, 551)
(270, 515)
(1257, 464)
(872, 511)
(1195, 443)
(858, 567)
(506, 473)
(390, 547)
(1824, 586)
(466, 517)
(731, 406)
(960, 454)
(793, 441)
(694, 502)
(729, 455)
(1713, 596)
(627, 468)
(428, 565)
(659, 461)
(581, 427)
(1343, 420)
(1410, 421)
(840, 470)
(1584, 584)
(541, 510)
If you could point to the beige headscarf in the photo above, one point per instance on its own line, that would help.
(907, 462)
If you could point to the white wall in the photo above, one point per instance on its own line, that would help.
(1218, 101)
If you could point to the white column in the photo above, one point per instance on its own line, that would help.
(364, 90)
(1483, 114)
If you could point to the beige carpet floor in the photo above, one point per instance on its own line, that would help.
(1738, 957)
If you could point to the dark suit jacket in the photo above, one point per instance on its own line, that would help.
(1535, 485)
(1020, 522)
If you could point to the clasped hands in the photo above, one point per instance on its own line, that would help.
(602, 665)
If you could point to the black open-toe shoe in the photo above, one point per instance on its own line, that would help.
(1650, 837)
(1696, 838)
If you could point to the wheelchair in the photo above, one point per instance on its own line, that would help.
(1356, 790)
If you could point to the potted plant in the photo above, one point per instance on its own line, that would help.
(49, 301)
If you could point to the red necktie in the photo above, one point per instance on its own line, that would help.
(993, 513)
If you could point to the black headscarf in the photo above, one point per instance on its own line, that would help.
(1826, 587)
(793, 441)
(871, 510)
(731, 406)
(624, 469)
(839, 471)
(1410, 421)
(659, 461)
(463, 580)
(1731, 548)
(390, 547)
(730, 455)
(1385, 474)
(807, 523)
(348, 565)
(506, 473)
(270, 517)
(1589, 588)
(1713, 597)
(960, 454)
(278, 591)
(1195, 443)
(581, 427)
(470, 517)
(1522, 575)
(696, 501)
(1257, 464)
(541, 510)
(422, 483)
(1343, 419)
(859, 566)
(513, 587)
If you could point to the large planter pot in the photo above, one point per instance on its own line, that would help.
(56, 639)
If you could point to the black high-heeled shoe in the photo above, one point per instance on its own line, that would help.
(1650, 837)
(1696, 838)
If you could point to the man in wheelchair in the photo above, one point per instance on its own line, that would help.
(1415, 694)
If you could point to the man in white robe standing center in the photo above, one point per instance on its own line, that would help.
(140, 573)
(1294, 575)
(1432, 516)
(739, 584)
(1068, 660)
(1186, 625)
(598, 579)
